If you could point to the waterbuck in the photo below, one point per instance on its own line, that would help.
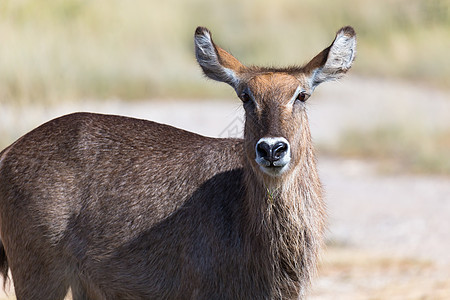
(119, 208)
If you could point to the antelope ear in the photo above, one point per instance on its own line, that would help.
(333, 62)
(216, 63)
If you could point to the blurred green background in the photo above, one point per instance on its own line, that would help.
(59, 50)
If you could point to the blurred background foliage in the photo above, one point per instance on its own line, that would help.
(397, 148)
(59, 50)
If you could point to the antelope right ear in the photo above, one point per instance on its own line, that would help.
(216, 63)
(333, 62)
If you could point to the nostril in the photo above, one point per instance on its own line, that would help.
(272, 154)
(279, 150)
(264, 150)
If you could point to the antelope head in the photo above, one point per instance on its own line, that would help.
(276, 134)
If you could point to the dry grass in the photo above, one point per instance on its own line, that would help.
(398, 148)
(72, 49)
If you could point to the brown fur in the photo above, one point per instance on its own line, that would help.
(120, 208)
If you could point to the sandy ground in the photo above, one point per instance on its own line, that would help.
(388, 234)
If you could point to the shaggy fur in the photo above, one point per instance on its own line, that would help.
(121, 208)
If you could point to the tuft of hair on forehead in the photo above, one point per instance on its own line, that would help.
(294, 69)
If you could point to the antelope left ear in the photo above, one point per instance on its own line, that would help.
(333, 62)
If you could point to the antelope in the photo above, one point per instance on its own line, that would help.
(111, 207)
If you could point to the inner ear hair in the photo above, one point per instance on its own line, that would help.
(334, 61)
(215, 62)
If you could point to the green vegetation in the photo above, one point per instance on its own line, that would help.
(57, 50)
(398, 148)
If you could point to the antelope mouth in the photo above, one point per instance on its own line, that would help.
(273, 155)
(273, 170)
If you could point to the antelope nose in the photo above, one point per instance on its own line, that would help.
(271, 151)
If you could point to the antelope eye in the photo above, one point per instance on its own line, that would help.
(245, 97)
(302, 97)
